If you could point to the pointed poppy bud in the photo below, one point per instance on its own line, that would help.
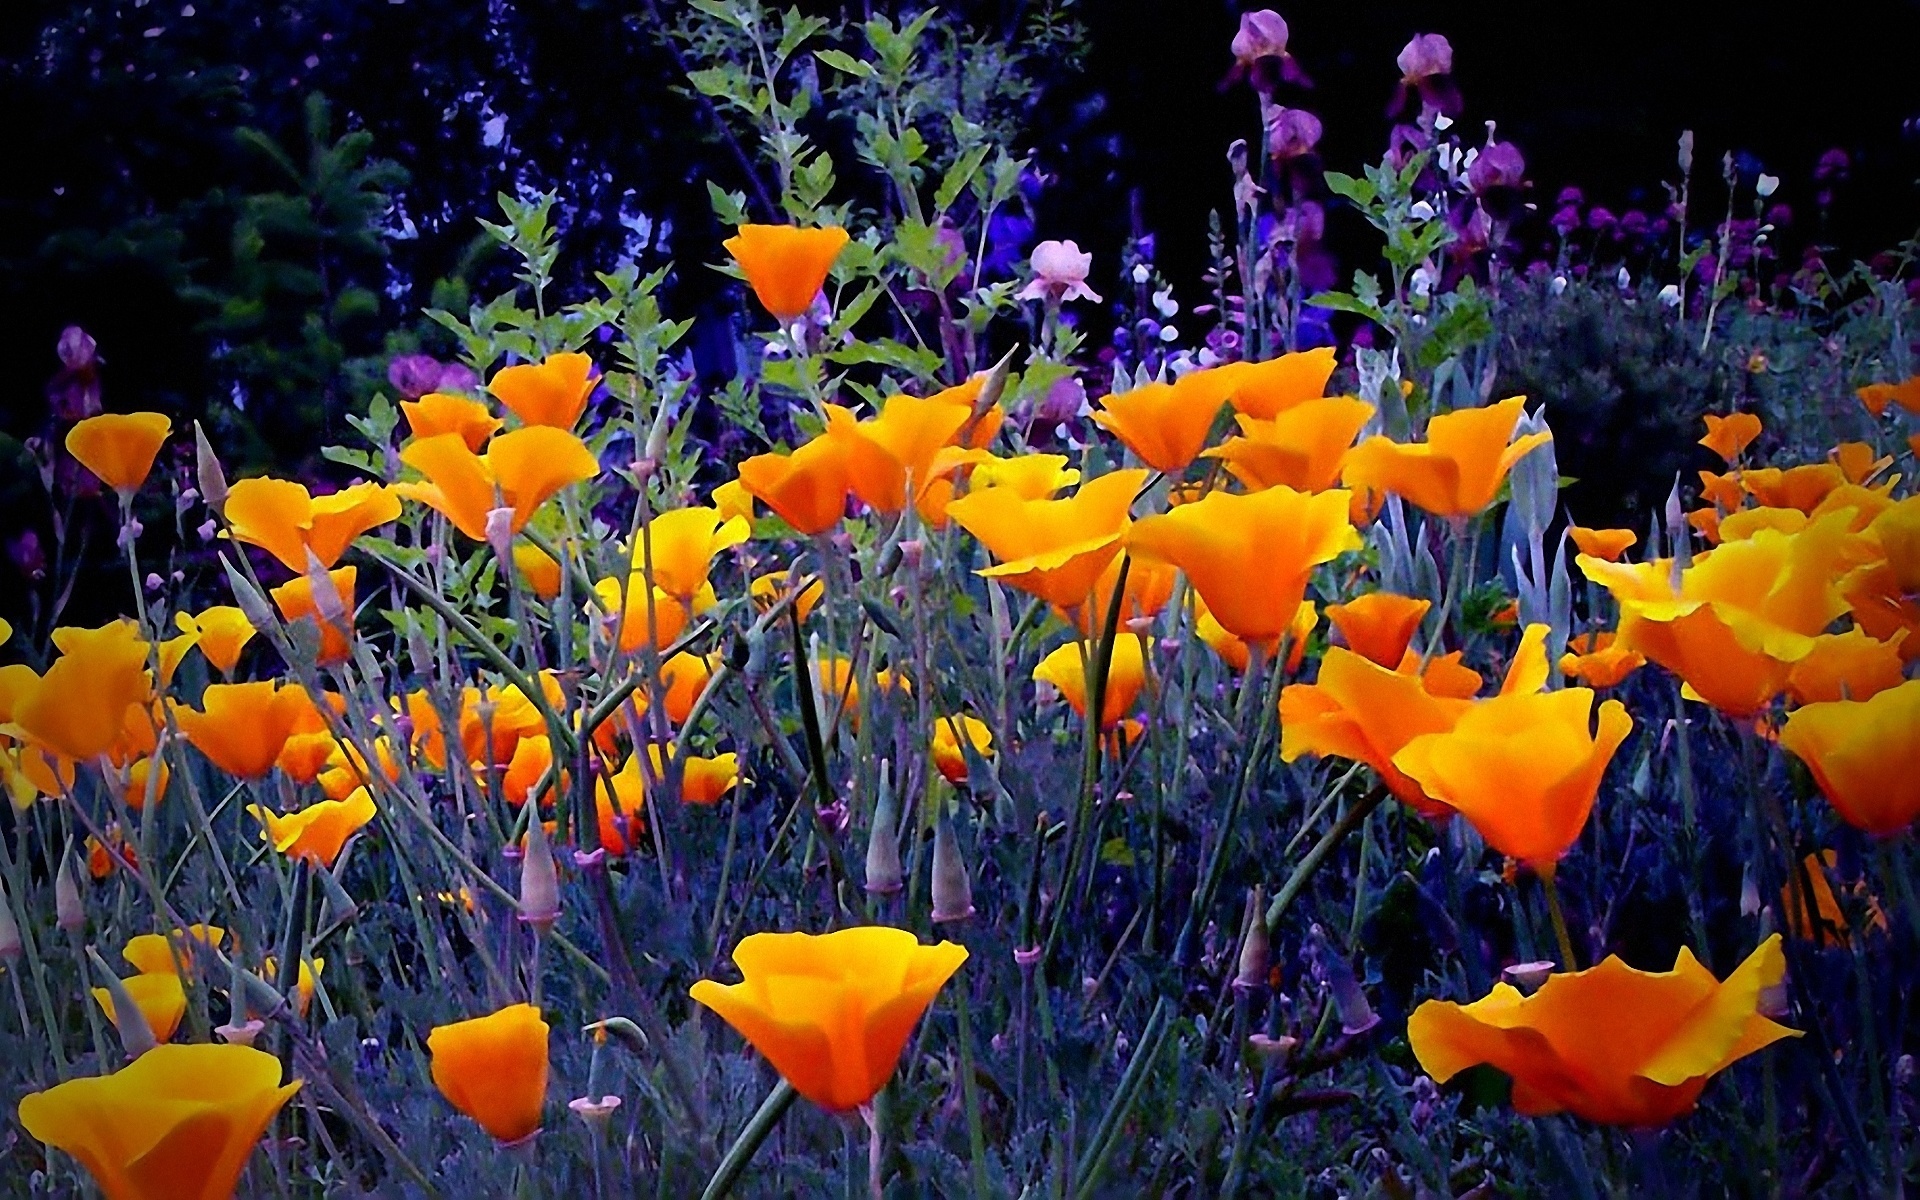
(208, 475)
(133, 1016)
(539, 881)
(69, 913)
(1254, 947)
(10, 943)
(952, 889)
(1356, 1015)
(884, 873)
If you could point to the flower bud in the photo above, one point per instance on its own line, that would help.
(1254, 949)
(884, 873)
(10, 943)
(328, 605)
(1356, 1015)
(69, 911)
(500, 534)
(539, 879)
(208, 475)
(136, 1036)
(258, 612)
(952, 890)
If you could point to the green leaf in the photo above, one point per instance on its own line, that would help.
(1360, 191)
(1342, 302)
(839, 60)
(730, 207)
(958, 177)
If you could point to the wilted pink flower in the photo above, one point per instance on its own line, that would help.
(1427, 55)
(414, 375)
(74, 393)
(1498, 165)
(1059, 274)
(1291, 133)
(1263, 34)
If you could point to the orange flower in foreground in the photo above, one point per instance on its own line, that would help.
(1065, 670)
(1865, 755)
(538, 568)
(832, 1013)
(78, 709)
(808, 487)
(1604, 544)
(1302, 448)
(1523, 768)
(243, 726)
(1730, 435)
(1166, 424)
(1597, 660)
(1031, 476)
(785, 264)
(668, 616)
(947, 754)
(282, 518)
(1379, 626)
(438, 412)
(221, 632)
(319, 831)
(1458, 470)
(1612, 1044)
(1250, 557)
(295, 602)
(1264, 390)
(178, 1122)
(551, 393)
(160, 997)
(1846, 666)
(1877, 396)
(1054, 549)
(119, 448)
(520, 470)
(684, 542)
(1149, 587)
(494, 1069)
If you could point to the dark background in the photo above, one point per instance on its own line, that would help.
(123, 177)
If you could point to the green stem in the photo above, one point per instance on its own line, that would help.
(768, 1115)
(1352, 819)
(1567, 961)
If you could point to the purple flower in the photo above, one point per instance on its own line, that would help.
(1599, 219)
(1565, 221)
(414, 375)
(1291, 133)
(1570, 195)
(1498, 165)
(74, 392)
(1633, 223)
(1059, 273)
(1263, 34)
(1427, 55)
(1833, 166)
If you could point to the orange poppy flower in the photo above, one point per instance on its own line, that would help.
(832, 1013)
(1846, 666)
(1250, 557)
(310, 744)
(79, 708)
(947, 754)
(119, 448)
(1730, 435)
(620, 799)
(282, 518)
(1897, 530)
(912, 432)
(1802, 487)
(1858, 461)
(1264, 390)
(438, 412)
(1065, 670)
(1605, 544)
(538, 568)
(1149, 588)
(221, 632)
(1458, 470)
(161, 999)
(684, 542)
(305, 981)
(1864, 755)
(319, 831)
(139, 776)
(1054, 549)
(1877, 396)
(294, 599)
(785, 264)
(1379, 626)
(493, 722)
(1599, 661)
(807, 488)
(156, 953)
(179, 1121)
(520, 470)
(703, 780)
(532, 756)
(552, 393)
(1166, 424)
(1522, 767)
(243, 727)
(766, 589)
(494, 1069)
(1302, 448)
(1611, 1044)
(669, 616)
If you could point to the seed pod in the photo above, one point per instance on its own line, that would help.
(70, 913)
(212, 480)
(952, 889)
(884, 873)
(539, 879)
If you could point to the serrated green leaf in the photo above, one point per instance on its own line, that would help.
(839, 60)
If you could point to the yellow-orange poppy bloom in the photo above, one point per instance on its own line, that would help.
(494, 1069)
(78, 709)
(786, 264)
(1458, 470)
(1303, 447)
(1379, 626)
(1250, 557)
(1166, 424)
(310, 744)
(221, 632)
(140, 777)
(520, 470)
(526, 770)
(684, 542)
(767, 588)
(243, 727)
(1846, 666)
(1065, 670)
(1612, 1044)
(1599, 661)
(119, 448)
(177, 1122)
(1030, 476)
(1149, 588)
(1897, 530)
(1264, 390)
(912, 431)
(948, 757)
(1729, 436)
(732, 499)
(305, 981)
(1878, 396)
(1865, 756)
(1858, 461)
(1054, 549)
(833, 1012)
(319, 831)
(438, 412)
(808, 488)
(668, 616)
(282, 518)
(620, 799)
(538, 568)
(1523, 768)
(160, 997)
(1803, 487)
(552, 393)
(295, 601)
(1604, 544)
(157, 953)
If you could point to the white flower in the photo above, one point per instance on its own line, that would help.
(1623, 279)
(1443, 122)
(1670, 296)
(1168, 333)
(1422, 281)
(1165, 304)
(1558, 285)
(1421, 211)
(1766, 185)
(1140, 273)
(1059, 271)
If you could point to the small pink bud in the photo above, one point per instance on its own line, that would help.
(500, 532)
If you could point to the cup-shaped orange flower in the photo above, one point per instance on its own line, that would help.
(319, 831)
(948, 756)
(1149, 588)
(284, 519)
(786, 264)
(538, 569)
(1379, 626)
(1729, 436)
(551, 393)
(438, 412)
(1065, 670)
(1054, 549)
(119, 448)
(808, 487)
(1458, 470)
(1264, 390)
(1359, 710)
(1031, 476)
(520, 470)
(1302, 448)
(1523, 768)
(912, 431)
(1166, 424)
(1612, 1044)
(178, 1123)
(1250, 557)
(221, 632)
(296, 602)
(1846, 666)
(160, 997)
(684, 542)
(1599, 661)
(832, 1012)
(1879, 396)
(1865, 755)
(1604, 544)
(243, 727)
(78, 709)
(639, 622)
(494, 1069)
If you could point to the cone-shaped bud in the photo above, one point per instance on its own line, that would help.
(340, 906)
(539, 880)
(68, 910)
(500, 534)
(884, 873)
(1356, 1015)
(136, 1036)
(952, 890)
(208, 476)
(328, 605)
(1254, 949)
(258, 612)
(10, 944)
